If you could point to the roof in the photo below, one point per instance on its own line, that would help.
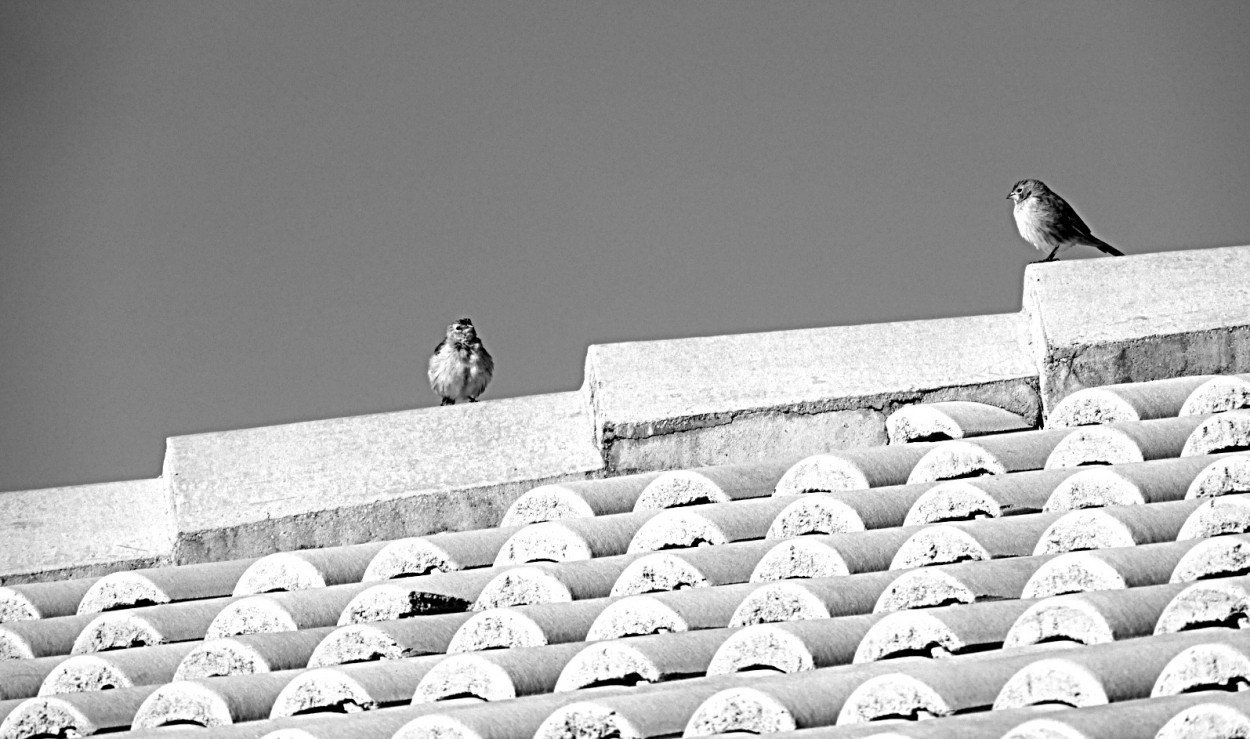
(812, 531)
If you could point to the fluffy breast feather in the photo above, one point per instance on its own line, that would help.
(460, 372)
(1035, 224)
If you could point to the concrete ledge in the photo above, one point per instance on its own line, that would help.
(1148, 317)
(755, 397)
(386, 476)
(59, 533)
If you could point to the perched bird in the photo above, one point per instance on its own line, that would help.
(461, 367)
(1046, 221)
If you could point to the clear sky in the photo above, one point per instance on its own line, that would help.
(216, 215)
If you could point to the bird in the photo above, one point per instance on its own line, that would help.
(1046, 221)
(460, 367)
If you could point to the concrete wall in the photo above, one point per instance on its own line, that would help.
(644, 406)
(365, 478)
(1104, 321)
(721, 399)
(84, 530)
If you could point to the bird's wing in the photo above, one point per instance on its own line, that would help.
(488, 362)
(1068, 215)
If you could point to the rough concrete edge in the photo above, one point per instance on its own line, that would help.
(325, 527)
(1059, 368)
(99, 567)
(608, 436)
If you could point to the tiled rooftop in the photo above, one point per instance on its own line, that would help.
(1001, 526)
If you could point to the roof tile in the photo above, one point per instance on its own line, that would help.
(955, 419)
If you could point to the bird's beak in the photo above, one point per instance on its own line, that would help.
(1009, 197)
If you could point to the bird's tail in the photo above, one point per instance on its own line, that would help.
(1103, 246)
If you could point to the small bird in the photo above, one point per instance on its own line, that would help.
(1046, 221)
(461, 367)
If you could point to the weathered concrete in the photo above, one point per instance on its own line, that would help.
(1220, 602)
(59, 533)
(753, 397)
(1148, 317)
(386, 476)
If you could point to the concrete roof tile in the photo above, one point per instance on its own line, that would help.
(900, 695)
(792, 646)
(330, 689)
(1095, 617)
(963, 582)
(247, 654)
(407, 637)
(577, 499)
(698, 567)
(446, 552)
(258, 614)
(820, 513)
(28, 601)
(642, 714)
(1217, 665)
(45, 637)
(1095, 674)
(814, 598)
(215, 701)
(683, 610)
(1218, 394)
(846, 694)
(22, 678)
(643, 659)
(1107, 569)
(153, 586)
(545, 582)
(719, 484)
(829, 555)
(852, 469)
(990, 496)
(482, 721)
(573, 539)
(172, 622)
(940, 632)
(1116, 526)
(1124, 443)
(1220, 602)
(1223, 432)
(955, 419)
(306, 569)
(1209, 718)
(72, 714)
(1138, 401)
(1229, 514)
(987, 455)
(1218, 557)
(494, 675)
(707, 525)
(986, 539)
(398, 599)
(1130, 484)
(123, 668)
(1145, 716)
(1227, 474)
(528, 626)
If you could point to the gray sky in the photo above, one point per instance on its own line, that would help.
(216, 215)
